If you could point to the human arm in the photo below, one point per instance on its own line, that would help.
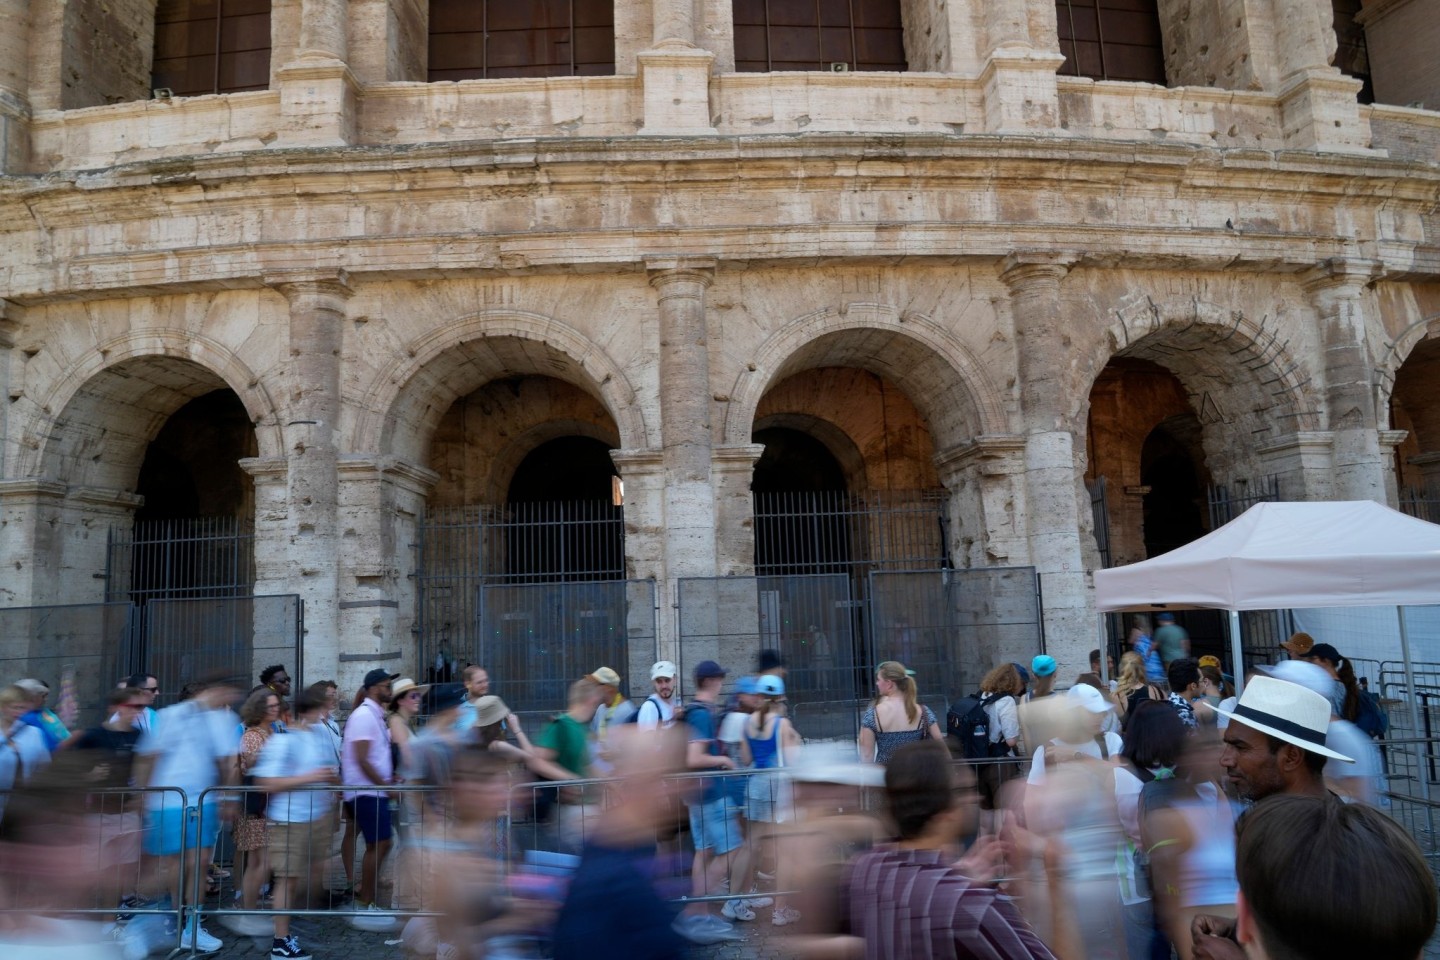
(512, 723)
(362, 759)
(1007, 718)
(868, 727)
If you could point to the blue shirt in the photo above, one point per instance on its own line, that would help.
(704, 726)
(1154, 669)
(590, 927)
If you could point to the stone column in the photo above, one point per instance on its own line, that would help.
(379, 503)
(1318, 106)
(1337, 290)
(643, 474)
(14, 86)
(675, 74)
(318, 92)
(1021, 55)
(9, 383)
(30, 537)
(1057, 513)
(309, 529)
(986, 482)
(733, 468)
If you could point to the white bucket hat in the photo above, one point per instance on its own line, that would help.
(1286, 711)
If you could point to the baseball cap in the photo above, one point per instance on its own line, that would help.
(1210, 660)
(1165, 617)
(446, 696)
(747, 685)
(1043, 665)
(770, 686)
(708, 668)
(664, 668)
(606, 676)
(1024, 674)
(1324, 651)
(1089, 698)
(378, 676)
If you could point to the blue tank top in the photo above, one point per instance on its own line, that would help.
(765, 753)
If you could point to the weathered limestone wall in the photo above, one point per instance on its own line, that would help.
(389, 40)
(1222, 43)
(108, 48)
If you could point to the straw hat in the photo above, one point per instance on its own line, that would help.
(1286, 711)
(490, 709)
(401, 687)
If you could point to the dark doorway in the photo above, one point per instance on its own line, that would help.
(1174, 505)
(563, 521)
(800, 520)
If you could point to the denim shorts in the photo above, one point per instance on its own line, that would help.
(164, 827)
(713, 826)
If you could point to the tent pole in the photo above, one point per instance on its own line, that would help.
(1237, 660)
(1415, 723)
(1104, 650)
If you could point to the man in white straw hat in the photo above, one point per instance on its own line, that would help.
(1275, 742)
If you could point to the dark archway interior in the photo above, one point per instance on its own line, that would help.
(562, 522)
(1174, 507)
(801, 526)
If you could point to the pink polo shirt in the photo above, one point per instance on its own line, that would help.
(366, 724)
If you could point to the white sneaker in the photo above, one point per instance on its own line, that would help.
(737, 910)
(705, 930)
(755, 903)
(372, 919)
(197, 938)
(249, 924)
(784, 915)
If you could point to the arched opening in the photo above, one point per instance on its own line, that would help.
(1171, 465)
(830, 35)
(566, 522)
(798, 531)
(490, 39)
(1415, 408)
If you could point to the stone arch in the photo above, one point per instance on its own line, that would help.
(87, 418)
(1184, 335)
(840, 444)
(1397, 351)
(508, 459)
(446, 363)
(1407, 387)
(940, 375)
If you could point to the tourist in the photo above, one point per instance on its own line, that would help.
(1133, 687)
(402, 718)
(1000, 688)
(896, 716)
(1361, 780)
(1140, 642)
(1184, 676)
(615, 709)
(770, 739)
(1043, 667)
(259, 713)
(1171, 641)
(658, 710)
(41, 717)
(1275, 741)
(26, 752)
(367, 765)
(565, 741)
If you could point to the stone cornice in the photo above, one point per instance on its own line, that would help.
(1306, 441)
(403, 473)
(32, 490)
(266, 470)
(994, 455)
(736, 456)
(300, 281)
(638, 463)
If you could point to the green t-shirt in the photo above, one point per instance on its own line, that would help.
(1170, 640)
(571, 742)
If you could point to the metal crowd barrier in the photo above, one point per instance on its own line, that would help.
(107, 841)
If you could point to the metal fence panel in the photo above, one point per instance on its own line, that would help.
(87, 641)
(536, 639)
(181, 640)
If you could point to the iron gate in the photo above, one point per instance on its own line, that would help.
(535, 639)
(88, 642)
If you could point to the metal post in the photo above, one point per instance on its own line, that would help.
(1415, 713)
(1104, 650)
(1237, 653)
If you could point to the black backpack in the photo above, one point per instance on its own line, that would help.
(967, 721)
(1370, 716)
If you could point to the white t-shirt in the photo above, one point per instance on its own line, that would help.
(1349, 740)
(656, 713)
(732, 728)
(290, 755)
(1089, 748)
(187, 742)
(1004, 719)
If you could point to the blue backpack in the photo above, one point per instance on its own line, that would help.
(1369, 715)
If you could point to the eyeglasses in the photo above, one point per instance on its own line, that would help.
(412, 696)
(282, 679)
(151, 689)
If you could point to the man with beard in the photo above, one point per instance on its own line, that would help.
(366, 760)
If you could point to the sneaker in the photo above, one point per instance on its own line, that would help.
(784, 915)
(765, 877)
(756, 903)
(705, 930)
(249, 924)
(197, 938)
(372, 919)
(288, 948)
(737, 910)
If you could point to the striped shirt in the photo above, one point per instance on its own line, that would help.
(911, 905)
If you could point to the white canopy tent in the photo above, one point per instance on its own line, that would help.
(1277, 556)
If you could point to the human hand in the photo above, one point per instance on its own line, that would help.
(985, 861)
(1213, 938)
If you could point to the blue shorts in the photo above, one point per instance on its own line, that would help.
(372, 816)
(174, 828)
(713, 826)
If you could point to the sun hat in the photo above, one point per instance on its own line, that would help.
(378, 676)
(1043, 665)
(1299, 644)
(606, 676)
(405, 686)
(1089, 698)
(770, 686)
(1286, 711)
(834, 763)
(490, 709)
(664, 668)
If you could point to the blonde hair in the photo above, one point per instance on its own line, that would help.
(14, 694)
(1132, 675)
(895, 672)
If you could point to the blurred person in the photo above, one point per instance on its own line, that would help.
(1184, 676)
(41, 717)
(1367, 888)
(1133, 686)
(1344, 693)
(1360, 780)
(1140, 642)
(1109, 664)
(714, 828)
(1275, 741)
(1071, 799)
(913, 899)
(1111, 722)
(476, 680)
(25, 752)
(616, 862)
(259, 714)
(1171, 641)
(615, 709)
(658, 710)
(1187, 831)
(402, 718)
(1214, 688)
(771, 662)
(300, 819)
(1155, 740)
(329, 691)
(1043, 668)
(149, 685)
(895, 716)
(1000, 688)
(768, 739)
(565, 741)
(192, 746)
(367, 766)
